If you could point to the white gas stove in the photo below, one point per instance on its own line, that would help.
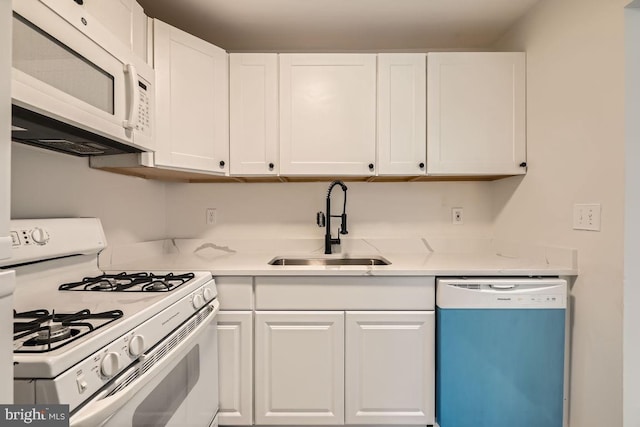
(86, 337)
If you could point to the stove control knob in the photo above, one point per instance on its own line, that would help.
(198, 301)
(110, 364)
(136, 345)
(39, 236)
(207, 293)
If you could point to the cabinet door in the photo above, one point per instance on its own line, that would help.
(235, 367)
(402, 115)
(299, 368)
(125, 19)
(192, 96)
(327, 114)
(476, 113)
(390, 367)
(116, 15)
(139, 31)
(253, 114)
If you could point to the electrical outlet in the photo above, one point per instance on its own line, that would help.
(586, 217)
(211, 216)
(456, 216)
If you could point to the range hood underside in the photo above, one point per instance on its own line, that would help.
(35, 129)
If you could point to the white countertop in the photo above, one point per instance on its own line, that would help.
(408, 257)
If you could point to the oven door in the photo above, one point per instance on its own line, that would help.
(173, 384)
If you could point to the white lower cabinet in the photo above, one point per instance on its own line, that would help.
(299, 368)
(390, 367)
(338, 350)
(235, 367)
(354, 367)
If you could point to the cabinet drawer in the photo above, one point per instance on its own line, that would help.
(344, 293)
(235, 292)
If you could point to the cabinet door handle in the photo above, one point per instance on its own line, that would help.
(523, 165)
(421, 165)
(271, 166)
(370, 166)
(222, 163)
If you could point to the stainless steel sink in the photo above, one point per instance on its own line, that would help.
(329, 261)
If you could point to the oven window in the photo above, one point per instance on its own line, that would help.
(41, 56)
(160, 405)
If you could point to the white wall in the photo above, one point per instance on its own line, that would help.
(49, 184)
(289, 209)
(631, 354)
(5, 120)
(575, 146)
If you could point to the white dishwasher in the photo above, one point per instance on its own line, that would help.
(500, 352)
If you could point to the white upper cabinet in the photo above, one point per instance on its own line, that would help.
(192, 95)
(140, 32)
(402, 119)
(125, 19)
(327, 114)
(253, 103)
(476, 113)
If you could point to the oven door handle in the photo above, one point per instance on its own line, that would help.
(97, 412)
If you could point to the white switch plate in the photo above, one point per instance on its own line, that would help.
(211, 216)
(586, 217)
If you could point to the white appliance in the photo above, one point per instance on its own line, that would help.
(76, 88)
(121, 349)
(6, 277)
(7, 283)
(501, 352)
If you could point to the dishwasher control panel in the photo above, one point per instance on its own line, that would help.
(513, 293)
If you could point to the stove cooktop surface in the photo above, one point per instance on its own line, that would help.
(130, 282)
(38, 331)
(55, 329)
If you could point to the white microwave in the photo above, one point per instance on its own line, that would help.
(76, 88)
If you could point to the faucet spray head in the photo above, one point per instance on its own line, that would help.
(343, 225)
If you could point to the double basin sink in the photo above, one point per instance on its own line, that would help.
(319, 261)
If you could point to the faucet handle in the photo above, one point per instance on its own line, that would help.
(321, 219)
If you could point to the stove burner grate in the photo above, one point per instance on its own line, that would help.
(52, 334)
(129, 282)
(51, 331)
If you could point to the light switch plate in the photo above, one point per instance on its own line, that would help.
(211, 215)
(586, 216)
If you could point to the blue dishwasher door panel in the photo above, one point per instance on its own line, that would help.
(500, 367)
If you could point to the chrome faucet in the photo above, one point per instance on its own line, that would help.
(325, 220)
